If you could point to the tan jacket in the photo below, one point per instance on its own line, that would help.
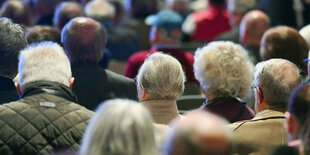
(163, 111)
(261, 134)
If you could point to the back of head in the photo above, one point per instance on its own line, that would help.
(241, 6)
(223, 69)
(286, 43)
(168, 24)
(299, 103)
(305, 32)
(162, 77)
(277, 78)
(43, 33)
(217, 2)
(100, 10)
(45, 61)
(44, 7)
(119, 127)
(84, 40)
(64, 12)
(18, 11)
(253, 26)
(12, 40)
(199, 133)
(141, 8)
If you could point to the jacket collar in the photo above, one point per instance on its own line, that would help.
(49, 87)
(269, 113)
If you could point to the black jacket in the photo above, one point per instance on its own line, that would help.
(8, 91)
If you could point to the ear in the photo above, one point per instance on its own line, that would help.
(17, 86)
(71, 81)
(259, 95)
(289, 122)
(143, 95)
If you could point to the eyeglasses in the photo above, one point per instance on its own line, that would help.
(306, 60)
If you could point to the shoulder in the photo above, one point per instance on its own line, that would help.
(117, 78)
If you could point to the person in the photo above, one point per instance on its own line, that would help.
(160, 82)
(252, 28)
(284, 42)
(165, 36)
(274, 81)
(43, 33)
(236, 9)
(64, 12)
(47, 117)
(44, 11)
(137, 11)
(120, 127)
(296, 118)
(205, 25)
(305, 32)
(121, 43)
(182, 7)
(17, 11)
(199, 133)
(84, 40)
(10, 34)
(225, 74)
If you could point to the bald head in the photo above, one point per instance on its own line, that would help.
(84, 40)
(199, 133)
(253, 26)
(286, 43)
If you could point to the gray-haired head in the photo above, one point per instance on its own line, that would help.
(305, 32)
(119, 127)
(241, 6)
(199, 133)
(65, 11)
(12, 40)
(161, 76)
(223, 69)
(43, 61)
(84, 40)
(277, 78)
(100, 10)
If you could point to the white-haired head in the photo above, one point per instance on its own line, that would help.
(161, 77)
(119, 127)
(305, 33)
(100, 10)
(198, 132)
(277, 78)
(223, 69)
(43, 61)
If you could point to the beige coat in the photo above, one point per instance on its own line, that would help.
(163, 111)
(261, 134)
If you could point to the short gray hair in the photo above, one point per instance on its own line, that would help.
(224, 68)
(241, 6)
(161, 76)
(305, 33)
(119, 127)
(100, 10)
(43, 61)
(277, 78)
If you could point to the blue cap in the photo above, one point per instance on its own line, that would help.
(166, 19)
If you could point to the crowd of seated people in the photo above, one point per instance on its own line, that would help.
(106, 76)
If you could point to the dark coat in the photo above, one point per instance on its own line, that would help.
(8, 91)
(44, 120)
(93, 85)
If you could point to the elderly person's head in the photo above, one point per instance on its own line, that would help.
(64, 12)
(305, 32)
(274, 80)
(10, 34)
(161, 77)
(84, 40)
(45, 61)
(100, 10)
(42, 33)
(119, 127)
(238, 8)
(199, 133)
(286, 43)
(223, 69)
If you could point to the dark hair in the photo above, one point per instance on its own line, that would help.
(63, 14)
(43, 33)
(84, 43)
(286, 43)
(12, 40)
(17, 11)
(143, 8)
(217, 2)
(299, 104)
